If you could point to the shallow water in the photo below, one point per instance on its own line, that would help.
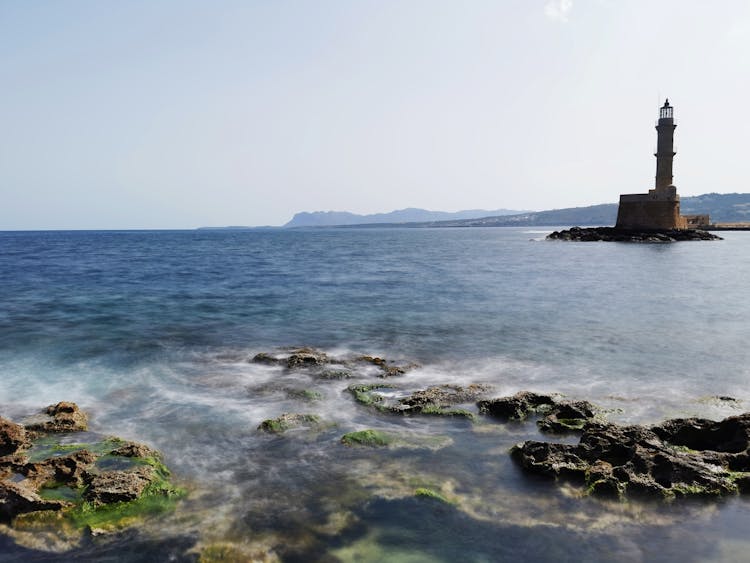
(151, 333)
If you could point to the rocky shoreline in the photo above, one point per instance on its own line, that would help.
(613, 234)
(57, 476)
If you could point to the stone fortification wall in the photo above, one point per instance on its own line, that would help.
(642, 211)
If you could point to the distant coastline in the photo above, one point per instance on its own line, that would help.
(732, 208)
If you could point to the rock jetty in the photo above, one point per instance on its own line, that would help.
(612, 234)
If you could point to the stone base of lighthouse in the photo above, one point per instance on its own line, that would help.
(659, 209)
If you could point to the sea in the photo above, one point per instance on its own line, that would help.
(153, 333)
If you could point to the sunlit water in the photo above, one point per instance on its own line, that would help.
(151, 333)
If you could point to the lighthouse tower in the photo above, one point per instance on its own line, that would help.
(659, 209)
(665, 146)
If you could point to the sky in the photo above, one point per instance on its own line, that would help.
(185, 113)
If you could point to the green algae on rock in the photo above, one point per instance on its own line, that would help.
(289, 421)
(98, 482)
(372, 438)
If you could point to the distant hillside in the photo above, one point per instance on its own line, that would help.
(723, 208)
(411, 215)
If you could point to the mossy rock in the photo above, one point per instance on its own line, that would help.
(370, 438)
(289, 421)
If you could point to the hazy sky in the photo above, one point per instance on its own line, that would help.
(171, 114)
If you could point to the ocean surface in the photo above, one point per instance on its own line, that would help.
(152, 334)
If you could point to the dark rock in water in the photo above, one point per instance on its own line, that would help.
(12, 437)
(62, 417)
(730, 435)
(306, 357)
(613, 234)
(16, 499)
(118, 486)
(679, 457)
(517, 407)
(569, 416)
(264, 358)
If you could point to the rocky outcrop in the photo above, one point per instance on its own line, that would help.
(558, 415)
(42, 464)
(517, 407)
(679, 457)
(62, 417)
(118, 486)
(613, 234)
(318, 363)
(12, 437)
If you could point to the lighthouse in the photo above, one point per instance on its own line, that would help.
(659, 209)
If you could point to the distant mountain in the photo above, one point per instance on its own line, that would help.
(410, 215)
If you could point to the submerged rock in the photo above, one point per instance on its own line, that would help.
(437, 400)
(613, 234)
(289, 421)
(679, 457)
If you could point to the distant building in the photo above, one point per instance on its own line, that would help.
(659, 209)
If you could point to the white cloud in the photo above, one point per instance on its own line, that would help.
(558, 10)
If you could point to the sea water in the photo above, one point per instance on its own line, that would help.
(152, 334)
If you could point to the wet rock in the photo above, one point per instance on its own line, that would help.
(289, 421)
(517, 407)
(68, 469)
(134, 449)
(613, 459)
(388, 368)
(569, 417)
(306, 357)
(435, 401)
(62, 417)
(16, 499)
(612, 234)
(334, 374)
(444, 396)
(729, 435)
(12, 437)
(264, 358)
(118, 486)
